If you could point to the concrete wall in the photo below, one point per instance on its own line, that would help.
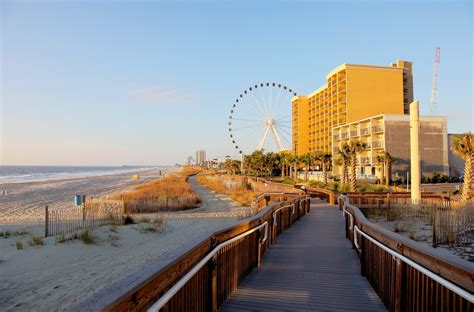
(433, 145)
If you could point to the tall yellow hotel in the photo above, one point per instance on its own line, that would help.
(351, 93)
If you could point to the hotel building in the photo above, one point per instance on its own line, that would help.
(351, 93)
(391, 133)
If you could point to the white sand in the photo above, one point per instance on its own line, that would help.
(54, 277)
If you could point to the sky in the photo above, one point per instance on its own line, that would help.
(150, 82)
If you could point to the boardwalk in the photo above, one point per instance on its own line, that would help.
(311, 267)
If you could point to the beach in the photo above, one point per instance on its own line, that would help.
(56, 276)
(25, 202)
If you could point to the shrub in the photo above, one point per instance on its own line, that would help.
(36, 240)
(19, 245)
(128, 220)
(86, 237)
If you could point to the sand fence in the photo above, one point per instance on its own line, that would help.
(94, 212)
(451, 222)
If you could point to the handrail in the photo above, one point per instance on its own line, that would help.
(274, 212)
(176, 287)
(456, 289)
(402, 250)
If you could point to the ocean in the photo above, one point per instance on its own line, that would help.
(19, 174)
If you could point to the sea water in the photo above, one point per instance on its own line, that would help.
(19, 174)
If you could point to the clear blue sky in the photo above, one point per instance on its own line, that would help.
(150, 82)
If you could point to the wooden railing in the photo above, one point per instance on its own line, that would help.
(235, 252)
(324, 194)
(385, 200)
(407, 275)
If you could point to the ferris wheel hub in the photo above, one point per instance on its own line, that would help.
(270, 122)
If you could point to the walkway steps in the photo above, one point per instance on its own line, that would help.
(311, 267)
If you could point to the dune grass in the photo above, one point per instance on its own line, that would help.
(169, 193)
(233, 187)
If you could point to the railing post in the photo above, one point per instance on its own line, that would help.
(259, 250)
(398, 285)
(46, 222)
(362, 254)
(214, 283)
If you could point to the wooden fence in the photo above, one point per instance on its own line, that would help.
(92, 213)
(400, 284)
(207, 289)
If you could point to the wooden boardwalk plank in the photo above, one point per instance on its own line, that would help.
(311, 267)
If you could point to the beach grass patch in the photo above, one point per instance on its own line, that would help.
(59, 239)
(19, 245)
(86, 237)
(36, 241)
(114, 238)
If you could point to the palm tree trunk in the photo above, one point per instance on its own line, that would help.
(325, 174)
(282, 171)
(353, 176)
(345, 172)
(388, 178)
(466, 194)
(382, 176)
(296, 171)
(306, 172)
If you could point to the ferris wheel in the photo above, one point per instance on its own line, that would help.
(260, 118)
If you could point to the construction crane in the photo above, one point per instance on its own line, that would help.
(434, 88)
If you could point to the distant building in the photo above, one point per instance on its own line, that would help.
(391, 133)
(190, 161)
(352, 92)
(200, 157)
(218, 162)
(456, 163)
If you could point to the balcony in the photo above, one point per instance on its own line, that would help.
(365, 161)
(376, 129)
(354, 134)
(377, 144)
(365, 131)
(335, 150)
(344, 135)
(336, 137)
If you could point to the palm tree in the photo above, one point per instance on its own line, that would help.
(291, 160)
(326, 160)
(389, 160)
(344, 160)
(463, 146)
(283, 162)
(355, 147)
(380, 159)
(306, 160)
